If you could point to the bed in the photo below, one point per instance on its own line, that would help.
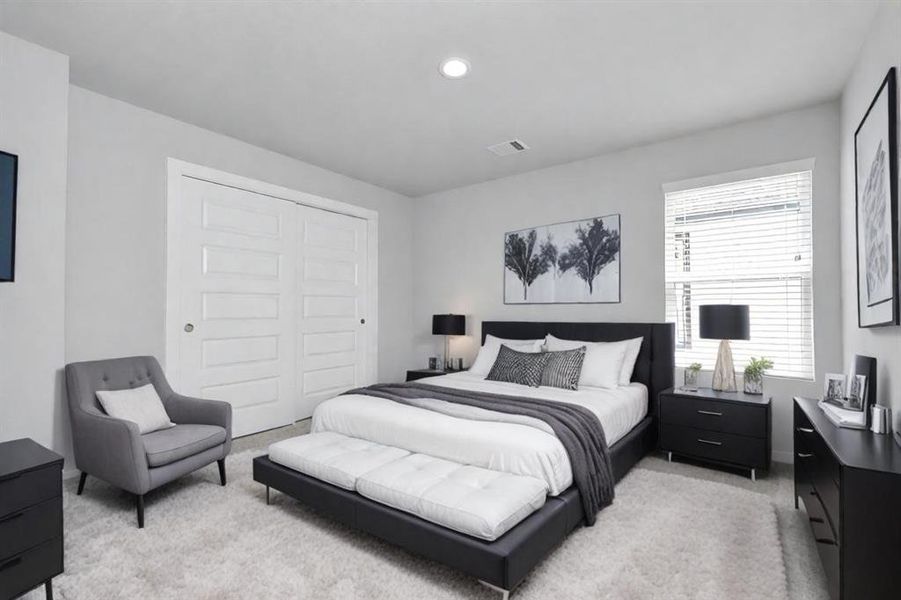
(629, 414)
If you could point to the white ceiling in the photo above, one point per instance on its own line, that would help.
(354, 87)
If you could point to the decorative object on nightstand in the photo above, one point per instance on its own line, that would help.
(724, 322)
(31, 517)
(690, 377)
(729, 428)
(448, 325)
(414, 374)
(753, 376)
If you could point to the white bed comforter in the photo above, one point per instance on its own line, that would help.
(474, 436)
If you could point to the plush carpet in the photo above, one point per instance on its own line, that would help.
(666, 536)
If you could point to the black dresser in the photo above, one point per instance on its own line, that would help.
(850, 483)
(31, 517)
(728, 428)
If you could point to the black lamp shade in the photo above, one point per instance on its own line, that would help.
(725, 322)
(448, 324)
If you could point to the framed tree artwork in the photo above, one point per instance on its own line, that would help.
(573, 262)
(876, 205)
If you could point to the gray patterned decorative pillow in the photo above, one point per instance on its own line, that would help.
(524, 368)
(564, 368)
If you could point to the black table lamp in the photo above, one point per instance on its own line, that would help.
(725, 322)
(448, 325)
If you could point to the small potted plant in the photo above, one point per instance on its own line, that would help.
(754, 374)
(690, 377)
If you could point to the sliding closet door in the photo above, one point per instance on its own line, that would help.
(237, 293)
(331, 303)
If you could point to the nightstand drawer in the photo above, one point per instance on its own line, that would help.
(30, 568)
(29, 488)
(714, 445)
(714, 416)
(29, 527)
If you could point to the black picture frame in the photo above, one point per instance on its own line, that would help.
(8, 199)
(888, 87)
(574, 222)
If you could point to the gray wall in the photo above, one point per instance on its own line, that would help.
(116, 243)
(458, 234)
(881, 51)
(34, 84)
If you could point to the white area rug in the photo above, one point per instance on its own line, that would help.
(666, 536)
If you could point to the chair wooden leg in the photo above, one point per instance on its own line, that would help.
(139, 500)
(81, 481)
(221, 464)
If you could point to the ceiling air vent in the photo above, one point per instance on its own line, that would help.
(508, 148)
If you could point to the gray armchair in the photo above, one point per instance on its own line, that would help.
(113, 450)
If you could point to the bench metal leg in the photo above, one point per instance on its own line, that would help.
(81, 481)
(505, 594)
(267, 495)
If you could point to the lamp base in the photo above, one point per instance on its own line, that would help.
(724, 372)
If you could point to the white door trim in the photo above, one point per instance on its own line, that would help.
(173, 323)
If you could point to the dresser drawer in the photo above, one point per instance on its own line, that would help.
(29, 569)
(715, 445)
(740, 419)
(30, 526)
(29, 488)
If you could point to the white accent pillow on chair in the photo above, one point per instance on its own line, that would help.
(139, 405)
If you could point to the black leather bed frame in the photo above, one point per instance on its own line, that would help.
(505, 562)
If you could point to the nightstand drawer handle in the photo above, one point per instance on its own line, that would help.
(712, 443)
(10, 563)
(710, 412)
(803, 455)
(805, 430)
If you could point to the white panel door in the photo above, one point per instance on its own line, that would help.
(237, 289)
(331, 302)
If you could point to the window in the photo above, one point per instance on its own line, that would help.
(747, 241)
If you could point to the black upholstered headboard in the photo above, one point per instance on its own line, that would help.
(656, 360)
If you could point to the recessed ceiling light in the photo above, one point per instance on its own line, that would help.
(454, 68)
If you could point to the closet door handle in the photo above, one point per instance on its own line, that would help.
(710, 412)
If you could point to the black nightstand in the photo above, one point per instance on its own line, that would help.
(31, 517)
(729, 428)
(415, 374)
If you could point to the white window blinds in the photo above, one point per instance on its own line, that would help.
(744, 242)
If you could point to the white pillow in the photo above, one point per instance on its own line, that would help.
(603, 362)
(488, 353)
(140, 405)
(632, 350)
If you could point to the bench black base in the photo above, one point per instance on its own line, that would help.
(503, 563)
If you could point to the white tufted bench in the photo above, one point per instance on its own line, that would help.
(472, 500)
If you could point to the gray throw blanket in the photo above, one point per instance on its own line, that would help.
(578, 429)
